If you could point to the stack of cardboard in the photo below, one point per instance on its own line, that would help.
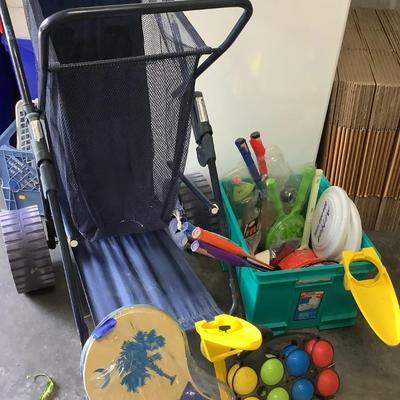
(389, 211)
(364, 112)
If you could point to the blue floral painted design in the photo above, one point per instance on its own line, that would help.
(138, 359)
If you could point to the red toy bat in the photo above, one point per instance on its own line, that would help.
(259, 151)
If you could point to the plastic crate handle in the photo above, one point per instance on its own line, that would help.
(314, 282)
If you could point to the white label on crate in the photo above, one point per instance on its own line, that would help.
(307, 281)
(308, 305)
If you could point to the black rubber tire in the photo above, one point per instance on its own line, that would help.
(26, 245)
(195, 211)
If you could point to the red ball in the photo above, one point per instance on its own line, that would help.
(327, 383)
(320, 351)
(309, 346)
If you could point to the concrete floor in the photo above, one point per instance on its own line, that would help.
(38, 334)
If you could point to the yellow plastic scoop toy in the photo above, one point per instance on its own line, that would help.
(376, 297)
(226, 336)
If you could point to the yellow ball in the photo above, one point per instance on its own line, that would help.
(243, 380)
(231, 374)
(251, 398)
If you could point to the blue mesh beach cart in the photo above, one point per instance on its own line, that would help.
(110, 136)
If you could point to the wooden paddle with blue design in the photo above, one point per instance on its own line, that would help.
(140, 353)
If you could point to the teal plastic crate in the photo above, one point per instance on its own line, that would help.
(299, 298)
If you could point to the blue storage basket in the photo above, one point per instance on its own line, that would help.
(19, 180)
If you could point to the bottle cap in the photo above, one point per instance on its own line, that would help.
(236, 180)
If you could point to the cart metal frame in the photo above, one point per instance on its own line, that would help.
(37, 121)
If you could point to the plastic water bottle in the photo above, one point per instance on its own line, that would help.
(247, 201)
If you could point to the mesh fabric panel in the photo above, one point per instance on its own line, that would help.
(119, 97)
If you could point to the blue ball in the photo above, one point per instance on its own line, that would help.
(302, 389)
(297, 362)
(289, 349)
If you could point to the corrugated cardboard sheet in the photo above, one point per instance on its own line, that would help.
(360, 146)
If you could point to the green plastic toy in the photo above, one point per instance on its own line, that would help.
(288, 226)
(241, 189)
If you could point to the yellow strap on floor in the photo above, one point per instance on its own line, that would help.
(376, 297)
(48, 389)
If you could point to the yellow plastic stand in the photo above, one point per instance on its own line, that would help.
(224, 337)
(376, 297)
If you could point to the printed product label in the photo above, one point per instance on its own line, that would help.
(324, 223)
(308, 305)
(190, 393)
(308, 281)
(251, 228)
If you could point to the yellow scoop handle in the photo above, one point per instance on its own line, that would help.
(376, 297)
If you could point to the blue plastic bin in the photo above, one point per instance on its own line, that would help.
(298, 298)
(29, 63)
(19, 180)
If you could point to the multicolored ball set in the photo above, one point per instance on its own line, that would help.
(297, 372)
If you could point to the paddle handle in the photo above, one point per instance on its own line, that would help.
(312, 201)
(308, 174)
(273, 194)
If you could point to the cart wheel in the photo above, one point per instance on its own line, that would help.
(27, 250)
(195, 211)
